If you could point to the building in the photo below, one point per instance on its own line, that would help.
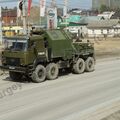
(92, 26)
(109, 3)
(74, 23)
(97, 3)
(115, 4)
(9, 17)
(106, 15)
(104, 28)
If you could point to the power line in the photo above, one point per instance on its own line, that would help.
(4, 1)
(69, 3)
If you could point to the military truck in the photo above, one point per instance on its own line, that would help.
(43, 53)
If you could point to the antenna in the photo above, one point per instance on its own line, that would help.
(24, 19)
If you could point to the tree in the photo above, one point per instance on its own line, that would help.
(104, 8)
(34, 17)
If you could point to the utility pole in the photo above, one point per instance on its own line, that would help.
(0, 25)
(53, 3)
(65, 7)
(65, 11)
(42, 10)
(24, 18)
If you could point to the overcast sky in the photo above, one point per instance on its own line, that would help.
(82, 4)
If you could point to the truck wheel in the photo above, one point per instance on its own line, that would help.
(79, 67)
(90, 64)
(15, 75)
(39, 74)
(52, 71)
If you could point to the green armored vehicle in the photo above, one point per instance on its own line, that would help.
(42, 54)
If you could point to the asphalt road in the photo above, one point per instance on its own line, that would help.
(62, 99)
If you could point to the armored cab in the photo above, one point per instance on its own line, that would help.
(43, 53)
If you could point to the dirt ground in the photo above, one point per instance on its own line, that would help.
(109, 47)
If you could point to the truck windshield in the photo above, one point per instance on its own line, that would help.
(16, 45)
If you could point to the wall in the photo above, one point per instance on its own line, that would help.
(103, 32)
(74, 29)
(8, 20)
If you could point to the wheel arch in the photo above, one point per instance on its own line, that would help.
(38, 61)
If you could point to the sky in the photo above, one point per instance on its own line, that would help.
(82, 4)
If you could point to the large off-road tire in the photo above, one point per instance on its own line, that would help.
(15, 75)
(79, 66)
(90, 64)
(39, 74)
(52, 71)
